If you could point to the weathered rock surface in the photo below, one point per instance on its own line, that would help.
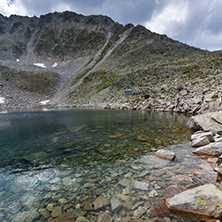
(212, 149)
(200, 203)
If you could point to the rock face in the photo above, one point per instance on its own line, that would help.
(200, 203)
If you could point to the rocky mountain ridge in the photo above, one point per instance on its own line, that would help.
(64, 59)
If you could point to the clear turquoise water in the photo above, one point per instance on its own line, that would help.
(39, 150)
(85, 137)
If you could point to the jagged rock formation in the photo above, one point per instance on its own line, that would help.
(69, 59)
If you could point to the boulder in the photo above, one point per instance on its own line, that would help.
(204, 122)
(212, 149)
(165, 154)
(198, 204)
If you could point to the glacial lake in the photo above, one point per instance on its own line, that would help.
(57, 163)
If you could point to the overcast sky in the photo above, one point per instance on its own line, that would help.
(195, 22)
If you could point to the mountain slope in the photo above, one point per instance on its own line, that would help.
(92, 60)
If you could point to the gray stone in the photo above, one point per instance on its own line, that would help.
(199, 204)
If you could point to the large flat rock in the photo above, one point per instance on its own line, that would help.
(212, 149)
(206, 122)
(200, 204)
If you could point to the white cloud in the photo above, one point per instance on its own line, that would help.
(61, 7)
(15, 7)
(195, 22)
(169, 19)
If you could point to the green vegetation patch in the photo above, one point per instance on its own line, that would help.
(40, 82)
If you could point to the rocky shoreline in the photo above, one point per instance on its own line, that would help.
(203, 203)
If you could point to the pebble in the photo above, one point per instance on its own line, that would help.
(56, 211)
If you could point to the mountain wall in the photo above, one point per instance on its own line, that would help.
(71, 59)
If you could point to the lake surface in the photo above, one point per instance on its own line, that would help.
(57, 163)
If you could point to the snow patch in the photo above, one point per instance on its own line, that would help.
(2, 100)
(45, 102)
(42, 65)
(55, 64)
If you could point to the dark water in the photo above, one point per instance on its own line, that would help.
(79, 155)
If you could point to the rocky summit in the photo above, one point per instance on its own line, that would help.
(67, 59)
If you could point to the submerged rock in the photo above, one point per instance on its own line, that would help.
(200, 203)
(115, 204)
(165, 154)
(34, 157)
(139, 185)
(100, 202)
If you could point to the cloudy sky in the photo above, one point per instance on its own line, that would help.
(195, 22)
